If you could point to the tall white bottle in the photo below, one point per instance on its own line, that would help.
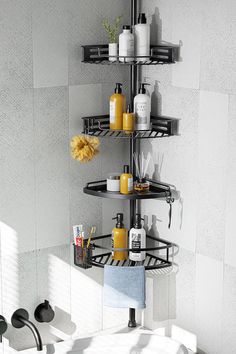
(137, 240)
(126, 45)
(142, 38)
(142, 109)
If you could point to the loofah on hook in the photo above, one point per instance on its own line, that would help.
(84, 148)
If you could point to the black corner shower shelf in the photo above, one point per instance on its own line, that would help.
(98, 126)
(152, 261)
(157, 190)
(159, 54)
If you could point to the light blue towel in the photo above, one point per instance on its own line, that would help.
(124, 287)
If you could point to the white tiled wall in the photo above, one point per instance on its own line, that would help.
(44, 92)
(200, 91)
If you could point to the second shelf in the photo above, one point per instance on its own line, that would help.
(160, 127)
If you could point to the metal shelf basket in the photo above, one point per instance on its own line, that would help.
(159, 54)
(157, 190)
(99, 126)
(151, 262)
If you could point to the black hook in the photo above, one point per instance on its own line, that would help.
(170, 201)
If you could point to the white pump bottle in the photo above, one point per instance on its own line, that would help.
(142, 109)
(137, 240)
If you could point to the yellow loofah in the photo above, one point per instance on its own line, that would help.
(84, 148)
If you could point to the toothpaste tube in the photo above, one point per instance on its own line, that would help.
(78, 235)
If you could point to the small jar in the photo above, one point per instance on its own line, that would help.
(141, 185)
(113, 182)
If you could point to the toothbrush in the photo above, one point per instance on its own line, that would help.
(92, 231)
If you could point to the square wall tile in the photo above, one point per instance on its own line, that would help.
(86, 300)
(52, 166)
(16, 61)
(209, 296)
(182, 286)
(152, 319)
(187, 15)
(229, 311)
(84, 100)
(50, 50)
(54, 284)
(212, 161)
(85, 27)
(231, 186)
(19, 291)
(218, 46)
(160, 16)
(17, 192)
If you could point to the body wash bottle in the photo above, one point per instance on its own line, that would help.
(142, 38)
(117, 108)
(126, 45)
(119, 239)
(126, 181)
(142, 109)
(137, 240)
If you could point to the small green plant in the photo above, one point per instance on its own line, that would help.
(112, 29)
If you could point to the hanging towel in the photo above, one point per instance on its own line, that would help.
(124, 287)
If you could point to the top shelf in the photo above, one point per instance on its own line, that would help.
(159, 55)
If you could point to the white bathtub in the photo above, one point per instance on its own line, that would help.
(142, 342)
(128, 343)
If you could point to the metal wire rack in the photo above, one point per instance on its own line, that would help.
(157, 190)
(99, 126)
(159, 54)
(151, 262)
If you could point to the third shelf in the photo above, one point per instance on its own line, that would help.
(157, 190)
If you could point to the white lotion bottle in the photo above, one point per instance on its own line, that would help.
(126, 45)
(137, 240)
(142, 38)
(142, 109)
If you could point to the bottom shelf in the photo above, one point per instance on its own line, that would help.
(84, 257)
(151, 262)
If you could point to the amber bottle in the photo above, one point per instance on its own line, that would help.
(117, 108)
(126, 181)
(119, 239)
(128, 120)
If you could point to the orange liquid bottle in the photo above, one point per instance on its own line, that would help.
(117, 108)
(126, 181)
(119, 239)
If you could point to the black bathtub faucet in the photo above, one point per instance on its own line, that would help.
(20, 318)
(3, 327)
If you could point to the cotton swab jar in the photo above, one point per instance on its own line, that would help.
(141, 185)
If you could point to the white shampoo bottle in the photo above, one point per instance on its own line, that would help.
(126, 45)
(142, 38)
(137, 240)
(142, 109)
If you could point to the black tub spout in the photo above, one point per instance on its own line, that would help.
(20, 318)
